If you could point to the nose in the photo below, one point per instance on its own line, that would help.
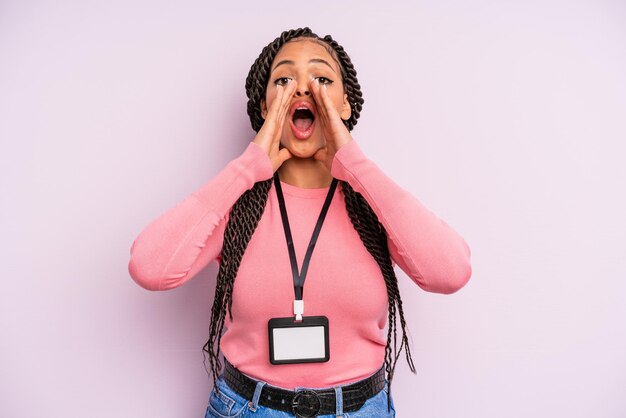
(303, 89)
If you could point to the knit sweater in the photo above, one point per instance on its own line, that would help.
(343, 282)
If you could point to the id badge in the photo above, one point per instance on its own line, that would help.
(303, 341)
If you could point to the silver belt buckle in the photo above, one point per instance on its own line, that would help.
(306, 404)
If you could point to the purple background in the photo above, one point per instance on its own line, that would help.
(504, 118)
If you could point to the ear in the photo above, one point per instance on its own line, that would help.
(263, 108)
(346, 110)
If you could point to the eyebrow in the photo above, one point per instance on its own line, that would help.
(311, 61)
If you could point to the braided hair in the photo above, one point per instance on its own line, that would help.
(246, 212)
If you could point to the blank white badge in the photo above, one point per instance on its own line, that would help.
(301, 342)
(297, 343)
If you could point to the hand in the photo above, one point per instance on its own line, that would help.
(335, 132)
(269, 135)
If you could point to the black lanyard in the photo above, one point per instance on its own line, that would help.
(298, 278)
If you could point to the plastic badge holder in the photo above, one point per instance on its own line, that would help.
(303, 341)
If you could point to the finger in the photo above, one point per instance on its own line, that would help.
(285, 100)
(278, 114)
(322, 105)
(274, 107)
(331, 112)
(282, 94)
(284, 154)
(275, 114)
(284, 108)
(319, 113)
(315, 88)
(321, 155)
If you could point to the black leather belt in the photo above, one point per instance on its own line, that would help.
(306, 403)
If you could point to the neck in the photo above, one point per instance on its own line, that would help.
(306, 173)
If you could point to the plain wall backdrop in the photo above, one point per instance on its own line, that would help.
(504, 118)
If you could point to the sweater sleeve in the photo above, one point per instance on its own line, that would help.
(425, 247)
(182, 241)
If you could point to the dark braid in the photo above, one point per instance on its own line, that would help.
(246, 212)
(243, 220)
(374, 237)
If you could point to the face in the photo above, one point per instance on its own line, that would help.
(300, 61)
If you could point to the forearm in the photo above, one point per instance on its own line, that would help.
(427, 249)
(182, 241)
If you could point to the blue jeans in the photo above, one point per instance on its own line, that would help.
(229, 404)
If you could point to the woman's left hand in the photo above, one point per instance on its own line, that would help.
(335, 132)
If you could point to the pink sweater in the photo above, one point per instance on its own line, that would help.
(343, 281)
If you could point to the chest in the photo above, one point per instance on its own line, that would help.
(343, 278)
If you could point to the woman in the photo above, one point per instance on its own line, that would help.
(302, 207)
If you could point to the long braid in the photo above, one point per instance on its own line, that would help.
(374, 237)
(243, 220)
(246, 212)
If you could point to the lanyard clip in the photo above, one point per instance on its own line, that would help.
(298, 309)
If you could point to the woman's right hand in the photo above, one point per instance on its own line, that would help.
(269, 135)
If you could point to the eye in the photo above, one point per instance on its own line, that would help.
(324, 80)
(281, 81)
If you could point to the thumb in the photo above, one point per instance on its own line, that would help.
(320, 155)
(284, 155)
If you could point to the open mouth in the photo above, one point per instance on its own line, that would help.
(302, 121)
